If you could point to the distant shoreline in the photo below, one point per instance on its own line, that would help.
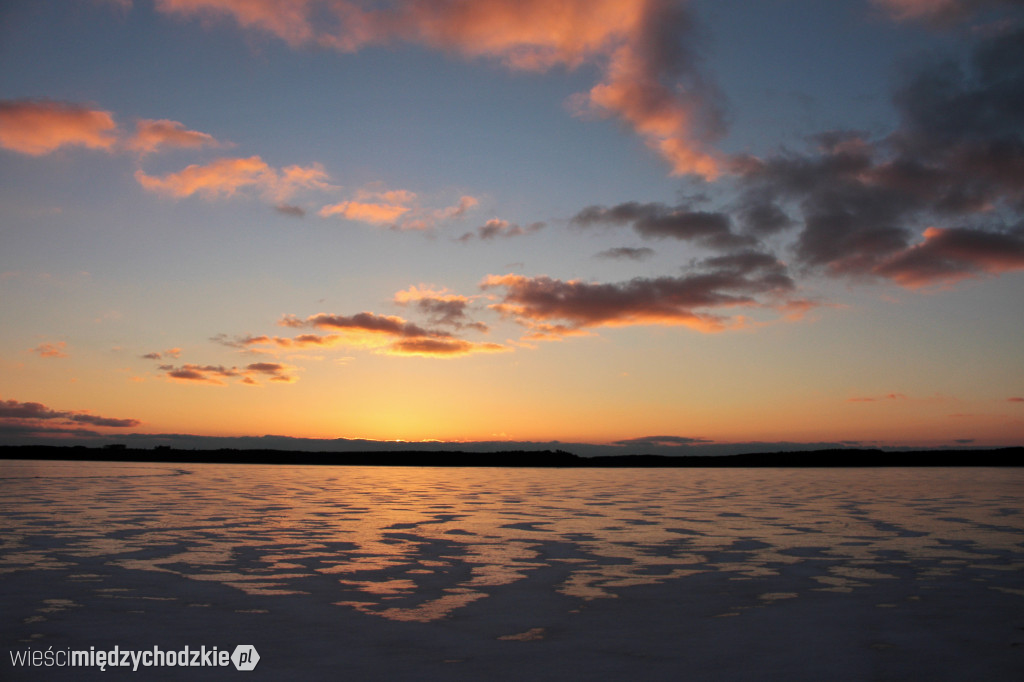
(846, 457)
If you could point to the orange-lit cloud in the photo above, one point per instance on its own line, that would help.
(867, 399)
(441, 348)
(364, 321)
(38, 127)
(952, 254)
(159, 355)
(13, 411)
(390, 335)
(398, 209)
(151, 136)
(279, 342)
(377, 214)
(51, 350)
(225, 177)
(216, 374)
(651, 74)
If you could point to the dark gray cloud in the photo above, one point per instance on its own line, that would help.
(696, 299)
(648, 441)
(496, 227)
(448, 311)
(389, 334)
(955, 165)
(626, 252)
(948, 255)
(29, 413)
(657, 220)
(363, 322)
(942, 13)
(291, 210)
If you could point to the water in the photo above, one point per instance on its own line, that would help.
(448, 573)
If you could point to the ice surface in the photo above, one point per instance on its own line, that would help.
(369, 573)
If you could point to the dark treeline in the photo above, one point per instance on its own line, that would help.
(847, 457)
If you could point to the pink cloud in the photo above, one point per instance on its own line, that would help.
(651, 74)
(378, 214)
(398, 209)
(224, 177)
(51, 350)
(38, 127)
(287, 19)
(151, 136)
(888, 396)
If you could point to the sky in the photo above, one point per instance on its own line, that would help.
(623, 225)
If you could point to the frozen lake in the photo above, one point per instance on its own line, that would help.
(395, 573)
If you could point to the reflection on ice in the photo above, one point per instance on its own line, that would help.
(418, 544)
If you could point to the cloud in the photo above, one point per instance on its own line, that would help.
(626, 253)
(1015, 400)
(390, 334)
(646, 51)
(654, 81)
(364, 322)
(661, 440)
(159, 355)
(291, 210)
(937, 12)
(888, 396)
(151, 136)
(281, 342)
(398, 209)
(656, 220)
(51, 350)
(441, 348)
(224, 177)
(501, 228)
(725, 282)
(442, 307)
(458, 209)
(377, 214)
(31, 413)
(216, 374)
(289, 20)
(37, 127)
(949, 255)
(273, 371)
(955, 163)
(202, 373)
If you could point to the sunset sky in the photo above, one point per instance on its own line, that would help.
(646, 223)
